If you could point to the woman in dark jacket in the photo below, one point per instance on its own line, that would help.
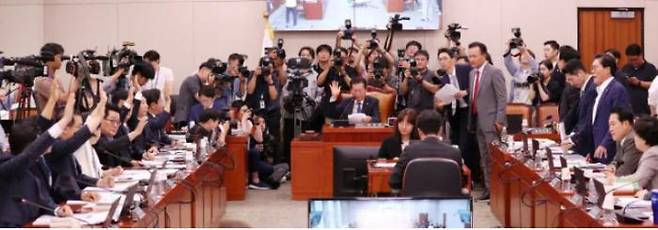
(405, 131)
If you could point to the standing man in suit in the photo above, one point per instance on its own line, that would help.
(609, 94)
(458, 111)
(568, 108)
(628, 156)
(488, 96)
(428, 123)
(358, 103)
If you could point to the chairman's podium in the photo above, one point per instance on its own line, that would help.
(312, 161)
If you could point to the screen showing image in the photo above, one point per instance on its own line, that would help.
(305, 15)
(391, 213)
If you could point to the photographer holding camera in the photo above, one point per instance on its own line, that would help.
(163, 77)
(263, 90)
(523, 71)
(419, 84)
(239, 73)
(380, 78)
(51, 54)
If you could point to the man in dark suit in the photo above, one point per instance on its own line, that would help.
(568, 108)
(358, 103)
(114, 150)
(24, 174)
(628, 156)
(67, 174)
(488, 97)
(457, 76)
(578, 120)
(428, 123)
(158, 115)
(607, 94)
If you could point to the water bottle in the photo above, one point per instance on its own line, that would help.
(654, 205)
(204, 148)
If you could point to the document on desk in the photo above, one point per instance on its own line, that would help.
(356, 118)
(384, 165)
(446, 94)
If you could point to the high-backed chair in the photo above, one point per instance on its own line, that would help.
(432, 177)
(386, 104)
(521, 109)
(546, 111)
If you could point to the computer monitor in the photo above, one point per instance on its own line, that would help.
(407, 212)
(514, 123)
(110, 214)
(350, 169)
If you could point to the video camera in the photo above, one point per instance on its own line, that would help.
(348, 32)
(338, 60)
(454, 32)
(516, 41)
(84, 64)
(378, 68)
(394, 23)
(413, 67)
(25, 69)
(298, 69)
(372, 43)
(121, 59)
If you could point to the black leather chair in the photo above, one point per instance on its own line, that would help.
(432, 177)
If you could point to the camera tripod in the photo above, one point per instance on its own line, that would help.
(299, 114)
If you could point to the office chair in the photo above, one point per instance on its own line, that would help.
(432, 177)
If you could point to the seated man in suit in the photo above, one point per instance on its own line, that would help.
(428, 124)
(24, 174)
(114, 150)
(359, 103)
(621, 129)
(158, 115)
(66, 170)
(209, 123)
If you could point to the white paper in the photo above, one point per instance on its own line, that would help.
(356, 118)
(384, 165)
(446, 94)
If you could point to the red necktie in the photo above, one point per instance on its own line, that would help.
(476, 89)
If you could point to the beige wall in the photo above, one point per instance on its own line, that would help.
(188, 32)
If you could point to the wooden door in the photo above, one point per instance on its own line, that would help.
(598, 31)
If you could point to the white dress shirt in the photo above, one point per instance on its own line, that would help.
(599, 90)
(653, 93)
(162, 76)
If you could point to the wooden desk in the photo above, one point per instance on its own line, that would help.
(236, 178)
(520, 198)
(378, 178)
(198, 200)
(312, 161)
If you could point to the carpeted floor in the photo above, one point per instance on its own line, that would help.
(275, 209)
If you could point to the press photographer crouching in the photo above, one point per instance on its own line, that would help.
(263, 91)
(300, 97)
(211, 127)
(263, 174)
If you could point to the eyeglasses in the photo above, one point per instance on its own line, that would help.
(114, 122)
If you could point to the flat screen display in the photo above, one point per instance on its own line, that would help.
(391, 213)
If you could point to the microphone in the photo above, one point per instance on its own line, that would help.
(40, 206)
(122, 159)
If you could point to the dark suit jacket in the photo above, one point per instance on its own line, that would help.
(154, 132)
(21, 176)
(63, 164)
(430, 147)
(344, 108)
(119, 146)
(614, 95)
(627, 157)
(568, 108)
(390, 148)
(583, 143)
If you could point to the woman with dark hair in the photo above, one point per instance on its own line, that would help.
(547, 89)
(646, 140)
(405, 131)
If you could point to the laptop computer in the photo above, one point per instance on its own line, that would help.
(110, 213)
(150, 185)
(130, 196)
